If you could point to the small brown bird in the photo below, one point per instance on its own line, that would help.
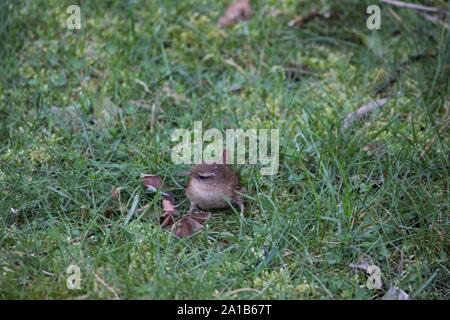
(214, 186)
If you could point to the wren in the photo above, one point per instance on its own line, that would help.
(214, 186)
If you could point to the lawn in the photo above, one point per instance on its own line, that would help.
(85, 112)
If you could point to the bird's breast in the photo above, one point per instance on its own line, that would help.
(207, 196)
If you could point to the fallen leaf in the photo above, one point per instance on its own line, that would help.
(168, 218)
(238, 11)
(181, 227)
(152, 182)
(395, 293)
(191, 223)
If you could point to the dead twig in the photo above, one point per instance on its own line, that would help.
(313, 15)
(414, 6)
(435, 20)
(233, 292)
(362, 112)
(364, 266)
(110, 289)
(144, 85)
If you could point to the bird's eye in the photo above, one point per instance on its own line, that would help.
(205, 176)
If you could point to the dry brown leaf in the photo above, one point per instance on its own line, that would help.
(238, 11)
(168, 218)
(151, 181)
(184, 227)
(191, 223)
(153, 184)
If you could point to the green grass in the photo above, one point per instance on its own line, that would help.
(336, 198)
